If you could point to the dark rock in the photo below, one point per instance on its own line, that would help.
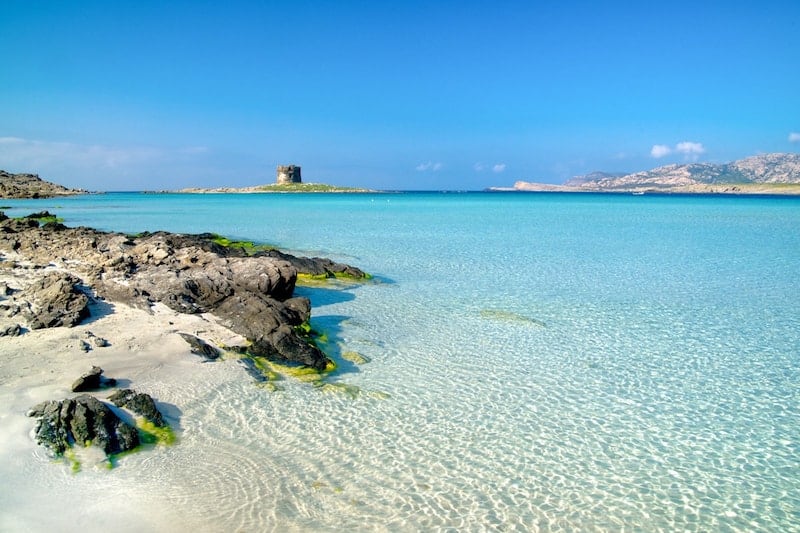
(292, 348)
(82, 420)
(317, 266)
(269, 325)
(200, 347)
(92, 380)
(190, 274)
(140, 403)
(13, 330)
(57, 302)
(40, 214)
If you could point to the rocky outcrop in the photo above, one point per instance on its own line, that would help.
(31, 186)
(251, 294)
(55, 301)
(82, 420)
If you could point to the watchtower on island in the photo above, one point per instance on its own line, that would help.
(288, 174)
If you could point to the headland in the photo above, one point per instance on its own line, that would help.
(766, 174)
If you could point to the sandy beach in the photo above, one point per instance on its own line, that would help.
(144, 353)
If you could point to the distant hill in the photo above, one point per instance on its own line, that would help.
(31, 186)
(767, 173)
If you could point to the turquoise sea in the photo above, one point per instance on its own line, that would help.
(538, 362)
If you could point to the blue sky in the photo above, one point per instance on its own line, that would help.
(390, 95)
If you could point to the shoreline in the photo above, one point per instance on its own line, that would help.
(731, 189)
(155, 300)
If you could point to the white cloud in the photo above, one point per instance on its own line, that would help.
(690, 148)
(660, 150)
(32, 154)
(794, 137)
(433, 167)
(498, 168)
(479, 167)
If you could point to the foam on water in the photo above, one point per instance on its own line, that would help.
(545, 362)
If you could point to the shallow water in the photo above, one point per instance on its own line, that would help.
(552, 362)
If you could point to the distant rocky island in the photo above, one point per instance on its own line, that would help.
(31, 186)
(275, 188)
(288, 179)
(761, 174)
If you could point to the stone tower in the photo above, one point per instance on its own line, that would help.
(288, 174)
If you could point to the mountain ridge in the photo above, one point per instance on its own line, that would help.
(760, 174)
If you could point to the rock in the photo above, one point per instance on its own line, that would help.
(290, 347)
(200, 347)
(251, 294)
(13, 330)
(92, 380)
(83, 420)
(140, 403)
(269, 325)
(317, 266)
(99, 342)
(56, 301)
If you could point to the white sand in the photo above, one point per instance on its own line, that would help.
(40, 494)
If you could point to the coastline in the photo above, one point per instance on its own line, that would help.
(729, 189)
(152, 300)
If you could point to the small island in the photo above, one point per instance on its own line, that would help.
(288, 180)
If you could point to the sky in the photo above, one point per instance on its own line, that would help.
(151, 95)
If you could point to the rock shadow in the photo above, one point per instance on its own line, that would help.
(330, 326)
(98, 308)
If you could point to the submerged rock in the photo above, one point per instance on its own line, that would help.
(83, 420)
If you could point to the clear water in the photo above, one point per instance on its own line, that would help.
(553, 363)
